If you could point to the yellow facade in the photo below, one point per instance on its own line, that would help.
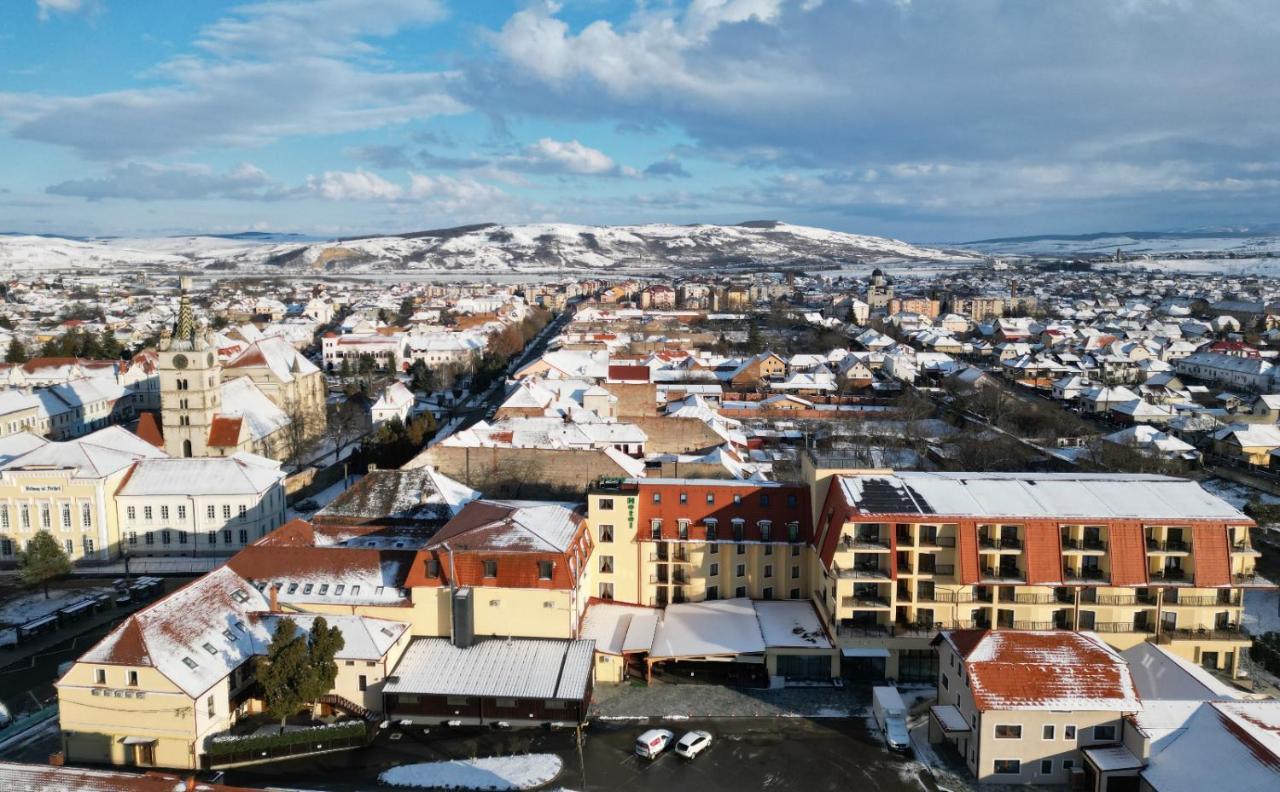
(78, 512)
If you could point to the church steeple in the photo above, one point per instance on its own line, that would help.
(185, 328)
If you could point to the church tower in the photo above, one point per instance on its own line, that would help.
(190, 381)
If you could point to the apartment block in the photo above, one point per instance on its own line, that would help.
(1131, 557)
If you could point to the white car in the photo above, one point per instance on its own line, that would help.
(693, 743)
(652, 743)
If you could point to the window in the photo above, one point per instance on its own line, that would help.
(131, 512)
(182, 537)
(164, 512)
(794, 594)
(1067, 764)
(606, 533)
(209, 702)
(792, 501)
(766, 527)
(213, 537)
(433, 568)
(1047, 734)
(714, 569)
(491, 569)
(1007, 767)
(793, 535)
(226, 537)
(712, 530)
(682, 528)
(146, 513)
(243, 511)
(1046, 767)
(945, 684)
(1068, 732)
(4, 517)
(684, 497)
(226, 511)
(87, 542)
(606, 564)
(149, 538)
(132, 679)
(741, 549)
(606, 591)
(657, 497)
(713, 592)
(737, 524)
(25, 515)
(795, 573)
(764, 499)
(364, 682)
(1105, 733)
(133, 537)
(711, 498)
(244, 536)
(740, 592)
(182, 512)
(66, 515)
(69, 546)
(605, 504)
(46, 516)
(164, 536)
(740, 570)
(6, 547)
(210, 511)
(768, 593)
(86, 515)
(655, 529)
(544, 570)
(1008, 732)
(768, 570)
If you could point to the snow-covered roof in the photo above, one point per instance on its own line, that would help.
(618, 628)
(1221, 745)
(239, 474)
(363, 637)
(516, 526)
(518, 668)
(95, 455)
(1035, 495)
(1160, 675)
(243, 398)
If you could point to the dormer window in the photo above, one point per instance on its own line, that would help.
(208, 647)
(307, 588)
(338, 589)
(189, 663)
(433, 568)
(324, 589)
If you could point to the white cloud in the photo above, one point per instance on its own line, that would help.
(455, 195)
(268, 70)
(358, 185)
(562, 156)
(141, 181)
(47, 8)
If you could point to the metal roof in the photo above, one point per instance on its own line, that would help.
(522, 668)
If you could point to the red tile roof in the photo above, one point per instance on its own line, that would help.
(629, 373)
(149, 429)
(1128, 552)
(224, 432)
(1019, 670)
(750, 509)
(1212, 555)
(21, 777)
(1043, 553)
(967, 567)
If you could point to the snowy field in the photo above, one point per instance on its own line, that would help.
(1262, 611)
(493, 773)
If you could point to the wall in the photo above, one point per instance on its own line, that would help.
(522, 472)
(676, 435)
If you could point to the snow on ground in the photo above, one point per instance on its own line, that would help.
(1261, 611)
(1236, 494)
(33, 605)
(494, 772)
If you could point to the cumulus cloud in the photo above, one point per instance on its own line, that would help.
(357, 185)
(268, 70)
(564, 156)
(141, 181)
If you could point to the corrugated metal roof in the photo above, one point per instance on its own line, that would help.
(527, 668)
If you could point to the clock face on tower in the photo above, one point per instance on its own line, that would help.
(180, 361)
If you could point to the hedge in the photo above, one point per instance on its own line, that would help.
(221, 746)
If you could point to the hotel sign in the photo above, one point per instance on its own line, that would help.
(42, 488)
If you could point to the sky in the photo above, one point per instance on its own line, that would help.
(925, 120)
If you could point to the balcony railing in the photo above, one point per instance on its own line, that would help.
(1250, 580)
(1196, 602)
(1229, 633)
(866, 541)
(1012, 574)
(946, 541)
(864, 602)
(1085, 545)
(956, 597)
(1121, 627)
(1171, 546)
(944, 570)
(1243, 547)
(865, 572)
(999, 543)
(930, 540)
(890, 630)
(1034, 599)
(1083, 574)
(1169, 576)
(1115, 599)
(1019, 624)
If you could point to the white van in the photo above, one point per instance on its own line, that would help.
(652, 743)
(891, 717)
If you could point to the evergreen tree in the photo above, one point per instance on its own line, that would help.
(111, 347)
(17, 352)
(754, 342)
(323, 646)
(284, 673)
(344, 371)
(43, 560)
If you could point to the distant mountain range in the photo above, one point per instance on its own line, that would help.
(486, 248)
(1255, 240)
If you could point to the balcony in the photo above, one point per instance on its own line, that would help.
(1084, 575)
(1176, 577)
(1251, 580)
(681, 555)
(953, 597)
(1228, 633)
(865, 542)
(1084, 546)
(1000, 544)
(931, 540)
(862, 572)
(864, 601)
(1173, 546)
(1121, 627)
(1018, 624)
(944, 570)
(1034, 599)
(1115, 599)
(946, 541)
(680, 577)
(1002, 575)
(1195, 602)
(854, 629)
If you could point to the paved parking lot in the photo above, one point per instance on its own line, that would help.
(747, 754)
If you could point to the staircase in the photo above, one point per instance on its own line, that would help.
(350, 707)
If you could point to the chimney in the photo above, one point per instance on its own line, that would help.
(275, 597)
(190, 785)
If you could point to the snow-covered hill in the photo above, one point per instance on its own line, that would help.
(1135, 243)
(492, 248)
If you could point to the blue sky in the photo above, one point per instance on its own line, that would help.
(928, 120)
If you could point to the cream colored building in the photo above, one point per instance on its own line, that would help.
(157, 687)
(1020, 707)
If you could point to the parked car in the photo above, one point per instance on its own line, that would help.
(891, 717)
(652, 743)
(693, 743)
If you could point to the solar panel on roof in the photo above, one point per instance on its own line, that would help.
(880, 496)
